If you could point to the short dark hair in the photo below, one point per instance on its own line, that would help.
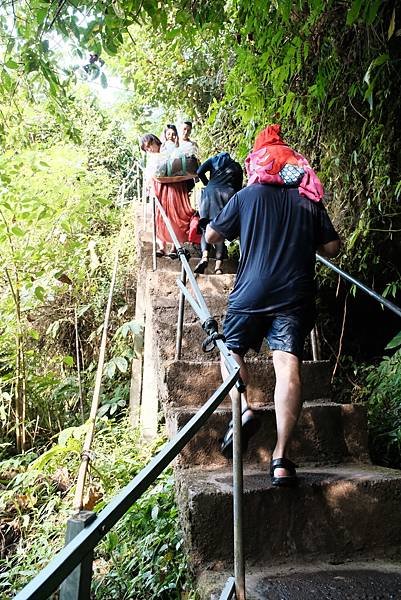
(148, 139)
(188, 123)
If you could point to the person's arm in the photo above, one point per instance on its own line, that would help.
(212, 236)
(201, 172)
(330, 249)
(328, 241)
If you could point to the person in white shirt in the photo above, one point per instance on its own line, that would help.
(171, 141)
(188, 146)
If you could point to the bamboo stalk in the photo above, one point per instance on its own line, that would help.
(77, 354)
(79, 492)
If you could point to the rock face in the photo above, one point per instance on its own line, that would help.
(343, 509)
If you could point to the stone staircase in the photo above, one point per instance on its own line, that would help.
(345, 509)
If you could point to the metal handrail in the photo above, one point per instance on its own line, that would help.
(199, 306)
(47, 581)
(387, 303)
(81, 546)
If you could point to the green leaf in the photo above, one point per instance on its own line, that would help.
(372, 10)
(391, 27)
(103, 410)
(395, 342)
(354, 11)
(17, 231)
(41, 13)
(111, 369)
(103, 81)
(82, 310)
(379, 60)
(11, 64)
(39, 293)
(68, 360)
(121, 363)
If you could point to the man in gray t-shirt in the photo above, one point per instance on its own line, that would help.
(273, 297)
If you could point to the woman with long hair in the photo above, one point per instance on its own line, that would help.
(175, 201)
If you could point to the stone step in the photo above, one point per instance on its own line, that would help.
(209, 285)
(191, 383)
(327, 433)
(165, 305)
(335, 513)
(165, 327)
(165, 263)
(165, 314)
(320, 580)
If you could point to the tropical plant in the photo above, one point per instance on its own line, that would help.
(142, 557)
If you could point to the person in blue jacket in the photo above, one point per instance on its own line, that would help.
(225, 179)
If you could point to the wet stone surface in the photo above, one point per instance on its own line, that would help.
(341, 585)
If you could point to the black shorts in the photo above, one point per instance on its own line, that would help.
(285, 330)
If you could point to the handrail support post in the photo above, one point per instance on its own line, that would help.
(180, 320)
(238, 491)
(154, 261)
(316, 355)
(77, 586)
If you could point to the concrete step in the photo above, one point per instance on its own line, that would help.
(349, 580)
(165, 314)
(335, 513)
(165, 263)
(210, 285)
(191, 383)
(327, 433)
(192, 338)
(165, 306)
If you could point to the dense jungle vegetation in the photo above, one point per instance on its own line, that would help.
(329, 72)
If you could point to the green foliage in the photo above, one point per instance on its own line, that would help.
(395, 342)
(384, 410)
(141, 557)
(43, 239)
(178, 71)
(328, 74)
(145, 551)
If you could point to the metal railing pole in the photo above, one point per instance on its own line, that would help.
(180, 320)
(390, 305)
(77, 586)
(47, 580)
(86, 447)
(138, 184)
(315, 345)
(200, 299)
(154, 260)
(144, 205)
(229, 589)
(238, 490)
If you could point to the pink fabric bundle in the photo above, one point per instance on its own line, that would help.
(272, 161)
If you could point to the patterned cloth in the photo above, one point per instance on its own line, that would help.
(272, 161)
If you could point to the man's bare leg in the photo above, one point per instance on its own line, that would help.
(243, 374)
(287, 401)
(249, 423)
